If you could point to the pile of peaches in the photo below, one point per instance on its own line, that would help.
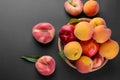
(87, 44)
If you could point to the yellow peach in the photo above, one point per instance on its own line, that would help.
(73, 50)
(84, 64)
(83, 31)
(97, 21)
(91, 8)
(101, 33)
(109, 49)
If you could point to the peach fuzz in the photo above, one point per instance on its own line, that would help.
(109, 49)
(43, 32)
(73, 50)
(83, 31)
(45, 65)
(84, 64)
(101, 33)
(97, 21)
(74, 7)
(91, 8)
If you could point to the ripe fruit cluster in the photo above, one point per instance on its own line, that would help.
(88, 44)
(75, 7)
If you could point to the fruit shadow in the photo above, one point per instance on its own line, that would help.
(50, 77)
(82, 15)
(43, 45)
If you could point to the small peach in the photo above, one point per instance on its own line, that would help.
(101, 33)
(45, 65)
(73, 50)
(83, 31)
(109, 49)
(97, 21)
(43, 32)
(91, 8)
(84, 64)
(73, 7)
(98, 61)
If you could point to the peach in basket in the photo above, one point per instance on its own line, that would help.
(81, 47)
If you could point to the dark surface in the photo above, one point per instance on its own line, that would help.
(17, 17)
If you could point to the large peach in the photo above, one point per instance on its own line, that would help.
(45, 65)
(101, 33)
(73, 50)
(97, 21)
(91, 8)
(43, 32)
(73, 7)
(109, 49)
(83, 31)
(84, 64)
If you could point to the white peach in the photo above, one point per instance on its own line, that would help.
(43, 32)
(73, 7)
(45, 65)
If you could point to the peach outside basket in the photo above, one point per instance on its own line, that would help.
(61, 46)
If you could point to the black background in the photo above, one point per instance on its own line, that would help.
(17, 18)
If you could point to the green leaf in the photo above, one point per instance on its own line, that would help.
(74, 20)
(70, 1)
(61, 53)
(30, 58)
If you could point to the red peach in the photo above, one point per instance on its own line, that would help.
(98, 61)
(90, 47)
(66, 33)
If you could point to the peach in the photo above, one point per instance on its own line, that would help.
(90, 47)
(101, 34)
(83, 31)
(45, 65)
(73, 7)
(73, 50)
(66, 33)
(98, 61)
(97, 21)
(43, 32)
(91, 8)
(84, 64)
(109, 49)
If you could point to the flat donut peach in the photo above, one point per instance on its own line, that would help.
(45, 65)
(43, 32)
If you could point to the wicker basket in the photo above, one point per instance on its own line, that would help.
(61, 46)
